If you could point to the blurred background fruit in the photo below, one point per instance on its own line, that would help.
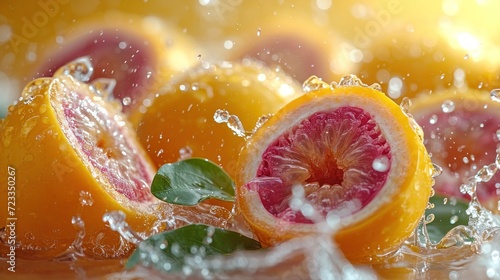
(70, 168)
(461, 133)
(179, 120)
(420, 46)
(139, 53)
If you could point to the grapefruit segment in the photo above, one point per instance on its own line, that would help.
(76, 159)
(344, 156)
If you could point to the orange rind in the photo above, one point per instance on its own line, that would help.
(75, 159)
(318, 142)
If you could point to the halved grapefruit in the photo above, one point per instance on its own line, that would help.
(344, 156)
(74, 157)
(140, 53)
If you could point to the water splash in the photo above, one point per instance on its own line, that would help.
(495, 95)
(234, 123)
(314, 83)
(81, 69)
(103, 87)
(75, 250)
(116, 221)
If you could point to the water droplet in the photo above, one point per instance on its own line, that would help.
(448, 106)
(232, 121)
(433, 119)
(185, 153)
(381, 164)
(495, 95)
(453, 219)
(86, 198)
(258, 32)
(261, 121)
(466, 56)
(436, 170)
(486, 173)
(28, 125)
(103, 87)
(126, 101)
(314, 83)
(351, 80)
(81, 69)
(405, 104)
(442, 76)
(376, 86)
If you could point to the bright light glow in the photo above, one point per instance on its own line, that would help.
(324, 4)
(285, 90)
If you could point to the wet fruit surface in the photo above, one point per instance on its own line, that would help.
(344, 157)
(76, 159)
(461, 135)
(179, 121)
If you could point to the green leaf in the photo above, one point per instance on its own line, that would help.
(190, 181)
(168, 251)
(446, 216)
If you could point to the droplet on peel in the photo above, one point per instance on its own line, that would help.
(314, 83)
(86, 198)
(436, 170)
(405, 104)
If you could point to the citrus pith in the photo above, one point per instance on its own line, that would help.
(75, 159)
(359, 156)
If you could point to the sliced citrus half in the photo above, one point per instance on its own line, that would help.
(179, 120)
(74, 158)
(461, 134)
(345, 156)
(294, 45)
(140, 53)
